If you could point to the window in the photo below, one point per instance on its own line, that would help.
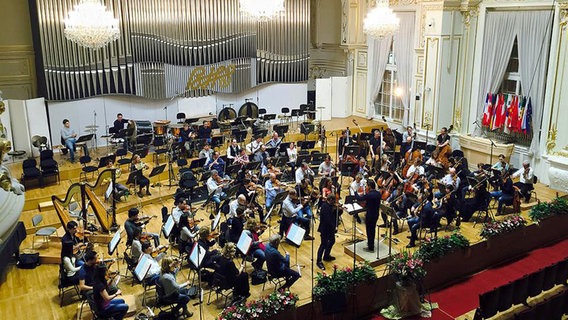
(511, 84)
(388, 104)
(512, 81)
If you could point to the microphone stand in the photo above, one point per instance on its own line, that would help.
(167, 104)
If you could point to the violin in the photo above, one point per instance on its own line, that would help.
(82, 247)
(145, 219)
(193, 222)
(159, 250)
(213, 235)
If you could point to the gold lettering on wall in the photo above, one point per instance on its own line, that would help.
(200, 78)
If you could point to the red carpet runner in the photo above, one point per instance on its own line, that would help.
(463, 296)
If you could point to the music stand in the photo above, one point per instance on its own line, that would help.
(271, 151)
(295, 236)
(280, 161)
(217, 141)
(244, 244)
(353, 209)
(253, 165)
(85, 138)
(278, 199)
(283, 147)
(232, 190)
(142, 268)
(309, 144)
(168, 226)
(216, 220)
(347, 169)
(303, 158)
(281, 129)
(197, 163)
(365, 136)
(156, 171)
(420, 145)
(104, 160)
(233, 169)
(351, 150)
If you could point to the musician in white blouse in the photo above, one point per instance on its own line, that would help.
(254, 146)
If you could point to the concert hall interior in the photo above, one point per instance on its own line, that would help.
(342, 159)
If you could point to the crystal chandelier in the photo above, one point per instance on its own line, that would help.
(90, 25)
(380, 21)
(262, 9)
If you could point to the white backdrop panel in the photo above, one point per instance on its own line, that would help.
(20, 130)
(37, 119)
(323, 98)
(341, 97)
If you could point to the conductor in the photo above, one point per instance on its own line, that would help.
(373, 199)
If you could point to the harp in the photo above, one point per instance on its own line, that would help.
(84, 194)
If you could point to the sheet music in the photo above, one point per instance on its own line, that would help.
(108, 190)
(197, 254)
(114, 242)
(244, 243)
(168, 226)
(353, 207)
(142, 267)
(215, 222)
(295, 234)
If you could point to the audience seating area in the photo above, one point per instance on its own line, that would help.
(517, 292)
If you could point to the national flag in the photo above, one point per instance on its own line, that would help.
(520, 115)
(487, 111)
(499, 116)
(527, 117)
(513, 114)
(507, 113)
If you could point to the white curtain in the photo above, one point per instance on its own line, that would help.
(533, 40)
(497, 45)
(377, 59)
(403, 48)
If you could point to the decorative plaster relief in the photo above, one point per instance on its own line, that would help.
(558, 173)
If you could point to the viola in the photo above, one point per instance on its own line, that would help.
(160, 249)
(213, 235)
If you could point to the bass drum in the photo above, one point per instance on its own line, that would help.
(249, 110)
(227, 114)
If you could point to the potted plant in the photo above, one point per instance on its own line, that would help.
(510, 223)
(269, 307)
(438, 247)
(331, 289)
(407, 270)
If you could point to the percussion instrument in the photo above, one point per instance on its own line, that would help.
(249, 110)
(227, 113)
(160, 127)
(176, 129)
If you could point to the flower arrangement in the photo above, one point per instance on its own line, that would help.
(406, 267)
(510, 223)
(341, 279)
(544, 210)
(434, 248)
(262, 308)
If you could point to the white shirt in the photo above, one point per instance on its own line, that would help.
(176, 214)
(253, 147)
(413, 169)
(212, 186)
(154, 265)
(233, 205)
(448, 180)
(325, 169)
(229, 155)
(354, 187)
(289, 209)
(300, 175)
(528, 178)
(292, 154)
(136, 250)
(69, 265)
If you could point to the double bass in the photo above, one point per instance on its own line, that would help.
(442, 154)
(411, 154)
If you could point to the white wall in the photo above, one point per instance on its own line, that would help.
(81, 113)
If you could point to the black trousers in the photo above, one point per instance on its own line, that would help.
(525, 188)
(327, 241)
(371, 227)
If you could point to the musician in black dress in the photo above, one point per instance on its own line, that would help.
(327, 229)
(479, 201)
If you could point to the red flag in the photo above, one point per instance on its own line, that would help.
(487, 111)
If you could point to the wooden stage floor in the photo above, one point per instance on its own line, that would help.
(33, 294)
